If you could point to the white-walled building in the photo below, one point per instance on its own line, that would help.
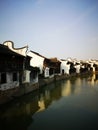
(11, 67)
(9, 80)
(46, 72)
(91, 63)
(65, 67)
(77, 66)
(37, 60)
(21, 51)
(29, 73)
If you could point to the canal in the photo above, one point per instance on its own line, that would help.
(63, 105)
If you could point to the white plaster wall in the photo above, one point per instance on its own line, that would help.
(26, 76)
(65, 67)
(46, 73)
(9, 77)
(36, 61)
(10, 83)
(21, 51)
(77, 69)
(63, 64)
(35, 80)
(93, 69)
(96, 62)
(92, 66)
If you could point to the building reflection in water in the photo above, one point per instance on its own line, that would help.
(71, 87)
(78, 84)
(93, 80)
(43, 99)
(66, 88)
(49, 95)
(19, 115)
(74, 86)
(41, 103)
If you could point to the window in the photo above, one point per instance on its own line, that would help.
(3, 77)
(63, 71)
(14, 76)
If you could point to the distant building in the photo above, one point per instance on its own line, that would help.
(77, 66)
(65, 67)
(37, 60)
(48, 66)
(53, 65)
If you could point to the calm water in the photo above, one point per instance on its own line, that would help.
(64, 105)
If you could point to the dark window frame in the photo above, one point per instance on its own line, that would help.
(15, 78)
(3, 78)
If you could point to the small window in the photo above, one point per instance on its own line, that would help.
(3, 77)
(14, 76)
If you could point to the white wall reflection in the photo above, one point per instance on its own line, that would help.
(47, 94)
(41, 103)
(93, 80)
(78, 84)
(44, 97)
(66, 88)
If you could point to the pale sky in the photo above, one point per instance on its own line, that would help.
(53, 28)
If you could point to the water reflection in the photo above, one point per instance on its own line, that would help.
(71, 87)
(41, 103)
(19, 115)
(93, 80)
(48, 95)
(66, 88)
(78, 85)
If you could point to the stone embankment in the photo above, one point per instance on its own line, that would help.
(46, 81)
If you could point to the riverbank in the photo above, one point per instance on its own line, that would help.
(9, 95)
(46, 81)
